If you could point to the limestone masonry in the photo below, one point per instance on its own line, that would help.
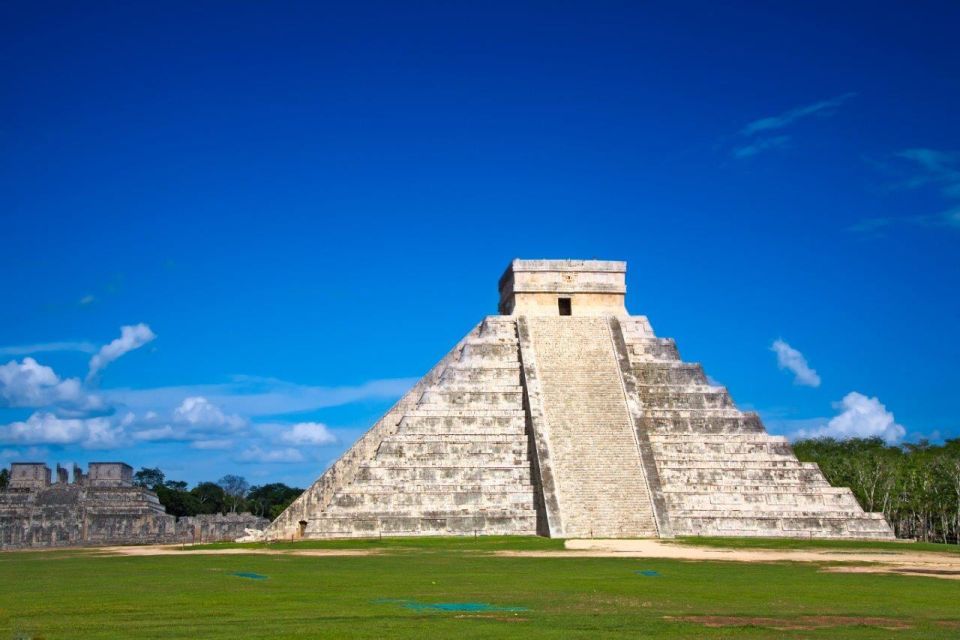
(566, 416)
(100, 507)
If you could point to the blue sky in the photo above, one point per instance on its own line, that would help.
(296, 209)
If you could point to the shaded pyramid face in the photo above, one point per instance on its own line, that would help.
(565, 416)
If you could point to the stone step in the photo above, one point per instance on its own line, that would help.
(660, 423)
(486, 376)
(784, 487)
(518, 439)
(455, 475)
(395, 454)
(431, 411)
(498, 523)
(372, 488)
(636, 328)
(666, 398)
(509, 365)
(499, 327)
(669, 418)
(682, 503)
(455, 446)
(488, 351)
(477, 387)
(462, 434)
(669, 373)
(770, 511)
(723, 459)
(734, 477)
(473, 424)
(714, 439)
(477, 399)
(493, 339)
(652, 350)
(843, 525)
(449, 502)
(730, 462)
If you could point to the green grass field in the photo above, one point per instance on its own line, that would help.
(414, 588)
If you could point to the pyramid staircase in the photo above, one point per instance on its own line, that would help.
(577, 426)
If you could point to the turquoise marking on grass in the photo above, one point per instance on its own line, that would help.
(472, 607)
(252, 576)
(647, 572)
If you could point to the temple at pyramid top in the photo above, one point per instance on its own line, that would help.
(564, 287)
(566, 416)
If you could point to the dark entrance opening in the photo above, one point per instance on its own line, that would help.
(565, 307)
(302, 528)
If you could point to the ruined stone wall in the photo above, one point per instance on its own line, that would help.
(73, 515)
(217, 527)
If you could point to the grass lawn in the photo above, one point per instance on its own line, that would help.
(414, 589)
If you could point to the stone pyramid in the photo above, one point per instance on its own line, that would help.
(565, 416)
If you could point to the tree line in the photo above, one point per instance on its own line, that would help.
(229, 494)
(916, 486)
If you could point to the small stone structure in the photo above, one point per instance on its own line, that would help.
(566, 416)
(101, 507)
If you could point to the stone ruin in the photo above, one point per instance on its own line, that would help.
(101, 507)
(566, 416)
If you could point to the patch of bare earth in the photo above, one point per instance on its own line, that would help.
(804, 623)
(905, 570)
(906, 562)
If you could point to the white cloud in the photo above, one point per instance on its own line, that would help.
(926, 168)
(861, 417)
(759, 131)
(158, 434)
(131, 337)
(257, 454)
(253, 396)
(212, 444)
(824, 107)
(29, 453)
(31, 384)
(197, 411)
(308, 433)
(47, 428)
(792, 360)
(758, 146)
(47, 347)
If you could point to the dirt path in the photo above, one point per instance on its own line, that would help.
(930, 564)
(905, 562)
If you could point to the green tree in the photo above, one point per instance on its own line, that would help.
(4, 478)
(270, 500)
(178, 503)
(148, 478)
(210, 497)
